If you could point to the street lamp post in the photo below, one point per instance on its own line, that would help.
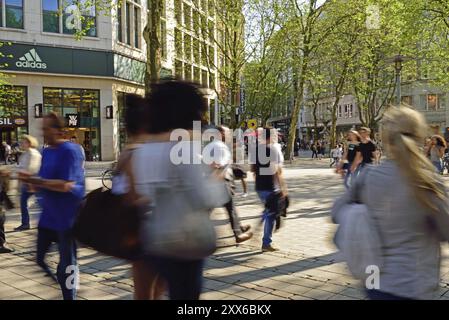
(398, 68)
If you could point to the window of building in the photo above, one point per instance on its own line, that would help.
(211, 80)
(442, 101)
(339, 113)
(407, 100)
(178, 12)
(187, 16)
(128, 23)
(50, 16)
(137, 32)
(204, 80)
(432, 102)
(13, 105)
(187, 72)
(187, 47)
(119, 24)
(178, 69)
(11, 14)
(86, 104)
(351, 111)
(76, 15)
(178, 43)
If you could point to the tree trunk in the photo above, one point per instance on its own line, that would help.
(315, 123)
(152, 35)
(297, 107)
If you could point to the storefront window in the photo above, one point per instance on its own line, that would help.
(85, 103)
(13, 107)
(14, 14)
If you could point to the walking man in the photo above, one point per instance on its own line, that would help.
(61, 184)
(367, 148)
(222, 161)
(269, 182)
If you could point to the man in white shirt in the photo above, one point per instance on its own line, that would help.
(221, 161)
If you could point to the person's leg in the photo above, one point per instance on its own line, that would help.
(148, 284)
(24, 196)
(68, 273)
(268, 220)
(233, 217)
(45, 238)
(245, 186)
(184, 278)
(2, 228)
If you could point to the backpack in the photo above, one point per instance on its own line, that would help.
(357, 236)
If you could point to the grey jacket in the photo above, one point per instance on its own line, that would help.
(410, 233)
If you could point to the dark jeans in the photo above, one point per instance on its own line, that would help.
(67, 271)
(2, 227)
(379, 295)
(24, 196)
(314, 154)
(184, 277)
(268, 217)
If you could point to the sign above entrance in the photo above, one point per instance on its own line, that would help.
(13, 122)
(73, 120)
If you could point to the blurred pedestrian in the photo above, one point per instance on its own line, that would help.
(148, 284)
(269, 182)
(367, 147)
(178, 234)
(7, 151)
(222, 162)
(314, 148)
(4, 182)
(61, 185)
(351, 157)
(408, 205)
(438, 146)
(30, 163)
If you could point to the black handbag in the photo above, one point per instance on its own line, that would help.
(110, 223)
(278, 205)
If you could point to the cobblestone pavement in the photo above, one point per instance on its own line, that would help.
(306, 267)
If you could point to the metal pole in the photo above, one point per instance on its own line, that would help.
(398, 86)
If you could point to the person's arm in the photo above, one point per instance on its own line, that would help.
(441, 152)
(52, 184)
(280, 179)
(357, 161)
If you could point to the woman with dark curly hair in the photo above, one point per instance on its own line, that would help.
(437, 149)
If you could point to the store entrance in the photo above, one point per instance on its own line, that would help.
(85, 137)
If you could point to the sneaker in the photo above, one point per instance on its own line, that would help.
(22, 228)
(245, 228)
(243, 237)
(6, 249)
(269, 248)
(244, 195)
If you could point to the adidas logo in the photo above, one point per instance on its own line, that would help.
(31, 60)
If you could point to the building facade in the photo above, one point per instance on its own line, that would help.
(86, 80)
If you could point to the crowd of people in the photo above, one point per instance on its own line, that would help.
(175, 233)
(175, 187)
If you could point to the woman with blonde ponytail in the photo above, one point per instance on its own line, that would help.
(409, 207)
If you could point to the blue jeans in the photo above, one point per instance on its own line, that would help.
(438, 166)
(24, 196)
(67, 271)
(268, 217)
(184, 277)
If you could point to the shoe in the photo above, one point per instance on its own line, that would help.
(244, 237)
(269, 248)
(22, 228)
(6, 249)
(245, 228)
(244, 195)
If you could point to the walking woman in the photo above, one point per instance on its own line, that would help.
(351, 157)
(30, 161)
(438, 146)
(408, 205)
(148, 285)
(178, 234)
(314, 148)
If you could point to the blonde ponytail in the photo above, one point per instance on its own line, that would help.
(403, 130)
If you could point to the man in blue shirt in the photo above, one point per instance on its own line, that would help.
(61, 184)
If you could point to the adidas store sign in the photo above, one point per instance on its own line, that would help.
(31, 60)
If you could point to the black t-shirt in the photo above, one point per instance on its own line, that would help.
(265, 180)
(367, 150)
(352, 151)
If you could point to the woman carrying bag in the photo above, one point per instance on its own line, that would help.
(405, 208)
